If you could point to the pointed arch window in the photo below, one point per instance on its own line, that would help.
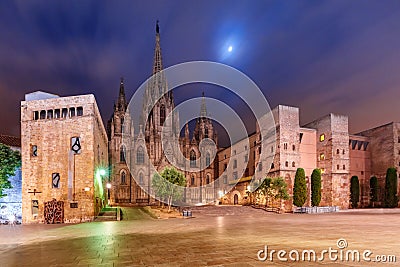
(192, 159)
(140, 155)
(208, 159)
(162, 115)
(208, 179)
(141, 180)
(206, 132)
(123, 178)
(122, 154)
(122, 125)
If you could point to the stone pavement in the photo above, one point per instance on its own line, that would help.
(216, 236)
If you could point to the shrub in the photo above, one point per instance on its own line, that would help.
(391, 198)
(354, 191)
(316, 187)
(374, 188)
(300, 188)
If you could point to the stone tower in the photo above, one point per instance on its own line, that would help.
(120, 133)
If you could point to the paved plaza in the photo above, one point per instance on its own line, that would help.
(216, 236)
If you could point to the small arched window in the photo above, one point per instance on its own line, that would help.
(192, 158)
(272, 166)
(192, 180)
(122, 154)
(140, 155)
(293, 164)
(208, 159)
(208, 179)
(287, 164)
(337, 151)
(162, 115)
(123, 178)
(141, 180)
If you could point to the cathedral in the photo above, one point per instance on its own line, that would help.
(136, 154)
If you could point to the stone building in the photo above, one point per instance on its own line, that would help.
(132, 170)
(11, 204)
(64, 158)
(324, 144)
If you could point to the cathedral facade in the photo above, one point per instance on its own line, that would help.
(135, 155)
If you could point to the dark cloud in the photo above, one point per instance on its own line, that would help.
(322, 56)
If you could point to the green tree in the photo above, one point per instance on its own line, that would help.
(279, 187)
(374, 189)
(354, 191)
(316, 187)
(169, 185)
(10, 160)
(391, 198)
(300, 188)
(272, 189)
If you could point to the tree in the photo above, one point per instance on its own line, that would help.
(273, 189)
(169, 185)
(374, 189)
(354, 191)
(10, 160)
(315, 187)
(300, 188)
(391, 198)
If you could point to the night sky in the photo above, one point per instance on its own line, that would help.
(322, 56)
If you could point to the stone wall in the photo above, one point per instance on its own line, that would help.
(81, 187)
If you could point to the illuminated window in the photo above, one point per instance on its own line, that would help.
(322, 156)
(322, 170)
(322, 137)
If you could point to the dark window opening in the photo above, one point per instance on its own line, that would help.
(162, 115)
(208, 159)
(192, 159)
(286, 164)
(79, 111)
(293, 164)
(140, 156)
(57, 113)
(123, 178)
(43, 114)
(122, 154)
(64, 113)
(36, 115)
(49, 114)
(206, 132)
(72, 112)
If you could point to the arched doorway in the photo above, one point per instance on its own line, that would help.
(235, 199)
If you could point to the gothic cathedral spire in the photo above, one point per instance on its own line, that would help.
(157, 66)
(121, 104)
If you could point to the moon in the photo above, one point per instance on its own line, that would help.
(230, 48)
